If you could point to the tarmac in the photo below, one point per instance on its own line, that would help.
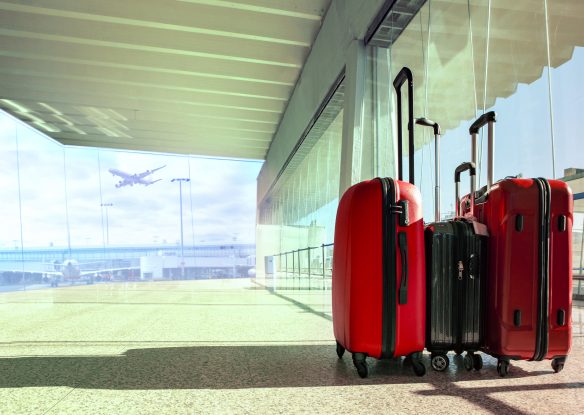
(233, 347)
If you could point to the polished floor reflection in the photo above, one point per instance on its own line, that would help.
(231, 346)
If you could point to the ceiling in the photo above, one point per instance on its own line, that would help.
(205, 77)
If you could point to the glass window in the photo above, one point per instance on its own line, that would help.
(297, 217)
(44, 206)
(10, 237)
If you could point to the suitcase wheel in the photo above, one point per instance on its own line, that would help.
(473, 361)
(417, 364)
(558, 364)
(419, 368)
(340, 350)
(361, 364)
(440, 362)
(468, 361)
(477, 362)
(502, 367)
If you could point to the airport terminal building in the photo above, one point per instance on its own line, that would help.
(111, 117)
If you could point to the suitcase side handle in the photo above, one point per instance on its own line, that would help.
(487, 118)
(429, 123)
(403, 286)
(405, 75)
(470, 166)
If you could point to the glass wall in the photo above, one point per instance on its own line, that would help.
(524, 60)
(470, 57)
(299, 212)
(10, 237)
(73, 215)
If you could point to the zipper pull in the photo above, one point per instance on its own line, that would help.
(460, 269)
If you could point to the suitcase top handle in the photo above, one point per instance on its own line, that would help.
(405, 75)
(480, 122)
(487, 118)
(459, 170)
(429, 123)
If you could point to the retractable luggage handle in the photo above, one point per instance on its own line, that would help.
(487, 118)
(429, 123)
(405, 75)
(459, 170)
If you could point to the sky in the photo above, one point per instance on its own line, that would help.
(63, 188)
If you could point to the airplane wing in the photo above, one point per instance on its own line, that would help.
(120, 173)
(99, 271)
(148, 182)
(149, 172)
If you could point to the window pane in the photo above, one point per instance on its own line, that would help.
(10, 238)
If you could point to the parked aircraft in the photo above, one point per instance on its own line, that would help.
(70, 270)
(132, 179)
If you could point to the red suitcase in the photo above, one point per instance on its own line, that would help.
(529, 300)
(378, 284)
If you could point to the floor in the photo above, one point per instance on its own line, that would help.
(232, 347)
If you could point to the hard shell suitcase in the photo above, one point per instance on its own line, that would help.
(455, 270)
(378, 284)
(529, 302)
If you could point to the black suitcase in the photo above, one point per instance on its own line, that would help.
(455, 272)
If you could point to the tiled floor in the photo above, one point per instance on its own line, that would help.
(233, 347)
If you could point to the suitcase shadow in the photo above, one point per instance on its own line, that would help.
(205, 367)
(219, 367)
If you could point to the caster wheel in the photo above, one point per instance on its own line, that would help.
(408, 360)
(468, 361)
(340, 350)
(557, 365)
(502, 368)
(360, 364)
(419, 368)
(440, 362)
(477, 362)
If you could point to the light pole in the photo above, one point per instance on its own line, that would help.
(106, 206)
(182, 241)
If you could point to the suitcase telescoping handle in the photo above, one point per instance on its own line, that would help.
(487, 118)
(429, 123)
(405, 75)
(459, 170)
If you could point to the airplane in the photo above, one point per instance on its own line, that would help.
(132, 179)
(70, 270)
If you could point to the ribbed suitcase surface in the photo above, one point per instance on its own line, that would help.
(456, 264)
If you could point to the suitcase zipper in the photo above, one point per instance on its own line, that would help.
(388, 320)
(541, 341)
(458, 291)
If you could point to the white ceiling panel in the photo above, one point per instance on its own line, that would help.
(208, 77)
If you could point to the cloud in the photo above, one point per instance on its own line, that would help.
(63, 188)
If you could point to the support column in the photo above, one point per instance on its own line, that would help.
(353, 115)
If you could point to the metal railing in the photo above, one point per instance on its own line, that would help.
(306, 268)
(578, 286)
